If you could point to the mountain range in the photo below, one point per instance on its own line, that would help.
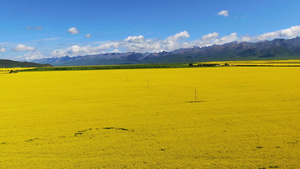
(265, 50)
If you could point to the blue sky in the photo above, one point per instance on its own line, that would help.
(32, 29)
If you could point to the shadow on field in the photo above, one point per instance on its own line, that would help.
(194, 101)
(82, 132)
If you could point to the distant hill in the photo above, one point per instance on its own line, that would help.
(11, 63)
(266, 50)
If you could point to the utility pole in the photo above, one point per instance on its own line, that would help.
(195, 95)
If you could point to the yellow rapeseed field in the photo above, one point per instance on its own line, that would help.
(8, 70)
(245, 117)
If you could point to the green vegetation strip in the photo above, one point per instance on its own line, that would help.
(104, 67)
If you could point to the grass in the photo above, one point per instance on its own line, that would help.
(248, 117)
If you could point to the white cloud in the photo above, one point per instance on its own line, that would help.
(88, 35)
(2, 49)
(135, 39)
(210, 36)
(76, 50)
(170, 43)
(226, 39)
(129, 44)
(22, 47)
(291, 32)
(269, 35)
(73, 31)
(223, 13)
(32, 55)
(34, 28)
(246, 38)
(179, 36)
(141, 44)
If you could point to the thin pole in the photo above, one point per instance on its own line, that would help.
(195, 95)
